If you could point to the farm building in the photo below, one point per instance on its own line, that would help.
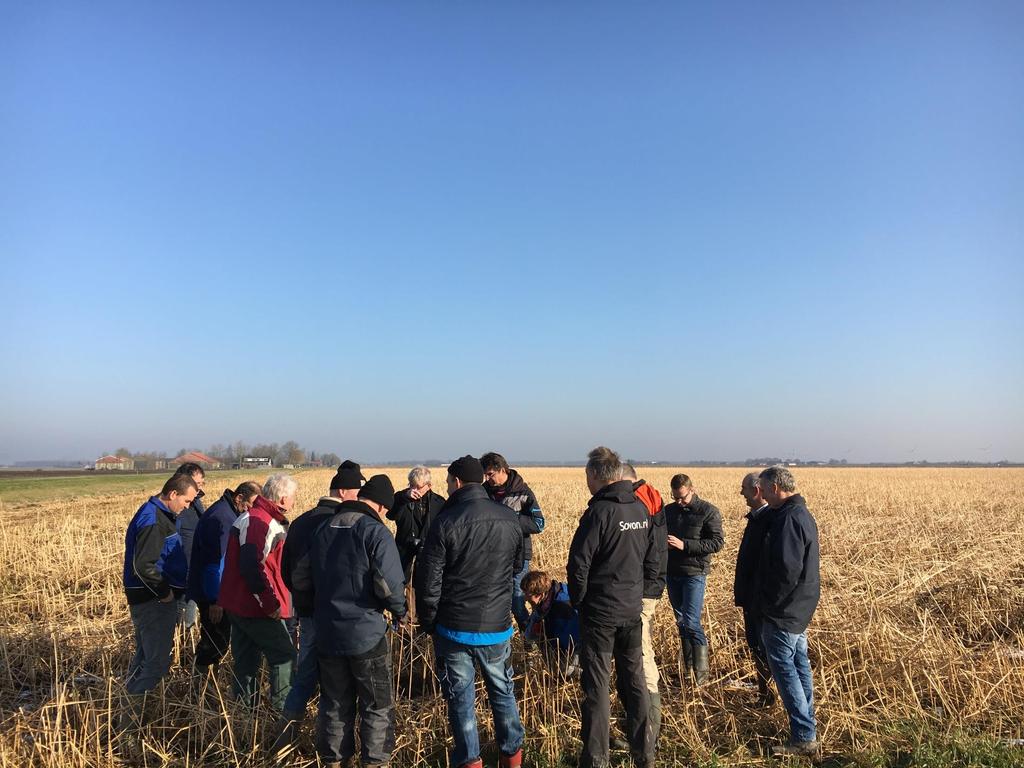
(197, 457)
(256, 462)
(151, 464)
(115, 462)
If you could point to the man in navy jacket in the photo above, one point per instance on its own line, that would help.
(787, 597)
(154, 575)
(354, 574)
(209, 545)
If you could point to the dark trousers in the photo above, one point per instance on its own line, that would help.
(214, 637)
(752, 630)
(600, 645)
(348, 682)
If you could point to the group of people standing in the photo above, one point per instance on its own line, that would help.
(458, 570)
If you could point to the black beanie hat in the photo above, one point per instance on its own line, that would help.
(379, 490)
(348, 476)
(467, 469)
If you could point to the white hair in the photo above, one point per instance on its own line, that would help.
(419, 475)
(279, 486)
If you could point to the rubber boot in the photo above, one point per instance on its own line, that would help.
(686, 658)
(701, 668)
(286, 730)
(765, 696)
(514, 760)
(655, 718)
(133, 713)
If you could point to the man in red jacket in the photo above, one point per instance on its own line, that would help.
(254, 596)
(651, 499)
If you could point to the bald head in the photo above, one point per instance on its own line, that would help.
(751, 491)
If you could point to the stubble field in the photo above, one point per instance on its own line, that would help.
(917, 646)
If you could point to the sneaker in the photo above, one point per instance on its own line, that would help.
(796, 748)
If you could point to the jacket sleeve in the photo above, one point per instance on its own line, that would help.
(149, 543)
(386, 571)
(251, 563)
(656, 558)
(581, 553)
(429, 576)
(397, 507)
(711, 536)
(786, 560)
(302, 574)
(212, 536)
(290, 556)
(531, 519)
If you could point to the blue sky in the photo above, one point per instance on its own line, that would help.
(401, 230)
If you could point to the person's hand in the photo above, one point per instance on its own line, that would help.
(276, 614)
(403, 623)
(216, 614)
(676, 543)
(416, 493)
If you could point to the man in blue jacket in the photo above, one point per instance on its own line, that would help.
(154, 574)
(789, 588)
(209, 545)
(353, 572)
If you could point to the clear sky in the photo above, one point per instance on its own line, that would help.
(408, 230)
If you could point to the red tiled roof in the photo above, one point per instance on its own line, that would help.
(111, 460)
(197, 457)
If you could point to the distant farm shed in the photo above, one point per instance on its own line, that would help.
(255, 462)
(115, 462)
(197, 457)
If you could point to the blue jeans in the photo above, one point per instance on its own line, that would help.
(304, 681)
(457, 677)
(787, 658)
(686, 594)
(519, 611)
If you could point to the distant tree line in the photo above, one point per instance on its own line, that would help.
(281, 453)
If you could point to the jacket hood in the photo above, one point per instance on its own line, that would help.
(514, 483)
(466, 493)
(621, 492)
(270, 508)
(358, 506)
(796, 500)
(228, 497)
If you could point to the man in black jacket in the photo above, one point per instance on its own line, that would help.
(788, 593)
(694, 534)
(506, 486)
(464, 598)
(413, 511)
(613, 556)
(354, 574)
(745, 585)
(344, 487)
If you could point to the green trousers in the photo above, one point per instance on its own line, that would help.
(252, 639)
